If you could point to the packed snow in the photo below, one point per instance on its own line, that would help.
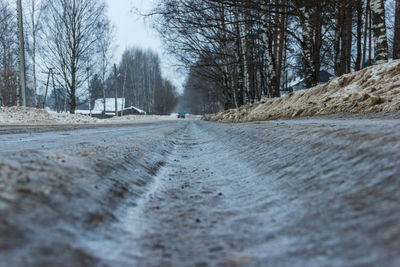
(187, 193)
(371, 90)
(27, 115)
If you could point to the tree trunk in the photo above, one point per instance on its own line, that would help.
(343, 39)
(269, 55)
(370, 36)
(65, 97)
(317, 41)
(281, 40)
(346, 13)
(244, 53)
(367, 11)
(72, 89)
(239, 58)
(379, 27)
(338, 34)
(34, 53)
(276, 33)
(349, 35)
(307, 43)
(103, 80)
(396, 38)
(359, 35)
(228, 90)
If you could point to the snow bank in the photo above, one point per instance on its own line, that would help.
(371, 90)
(26, 115)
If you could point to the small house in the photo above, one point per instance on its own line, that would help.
(98, 109)
(299, 83)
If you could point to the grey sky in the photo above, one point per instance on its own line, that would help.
(132, 30)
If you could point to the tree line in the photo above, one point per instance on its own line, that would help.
(251, 49)
(140, 83)
(68, 43)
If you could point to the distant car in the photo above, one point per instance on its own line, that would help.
(181, 114)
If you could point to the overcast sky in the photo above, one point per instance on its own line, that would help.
(132, 30)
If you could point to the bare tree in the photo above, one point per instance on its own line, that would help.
(379, 27)
(304, 11)
(8, 52)
(74, 28)
(106, 48)
(254, 46)
(36, 11)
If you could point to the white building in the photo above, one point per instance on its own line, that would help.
(98, 108)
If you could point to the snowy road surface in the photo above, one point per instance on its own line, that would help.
(317, 192)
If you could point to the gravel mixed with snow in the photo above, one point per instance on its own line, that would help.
(371, 90)
(194, 193)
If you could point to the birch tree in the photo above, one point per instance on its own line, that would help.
(304, 13)
(74, 28)
(269, 55)
(36, 11)
(379, 28)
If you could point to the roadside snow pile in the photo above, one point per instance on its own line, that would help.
(26, 115)
(371, 90)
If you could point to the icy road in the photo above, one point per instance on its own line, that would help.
(313, 192)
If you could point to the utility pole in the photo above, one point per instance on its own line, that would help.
(116, 91)
(22, 74)
(49, 73)
(90, 99)
(123, 95)
(55, 91)
(47, 87)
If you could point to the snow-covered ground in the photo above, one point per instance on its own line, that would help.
(33, 116)
(371, 90)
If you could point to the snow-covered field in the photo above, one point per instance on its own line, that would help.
(371, 90)
(33, 116)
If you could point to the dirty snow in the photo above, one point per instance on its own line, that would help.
(187, 193)
(27, 115)
(371, 90)
(60, 187)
